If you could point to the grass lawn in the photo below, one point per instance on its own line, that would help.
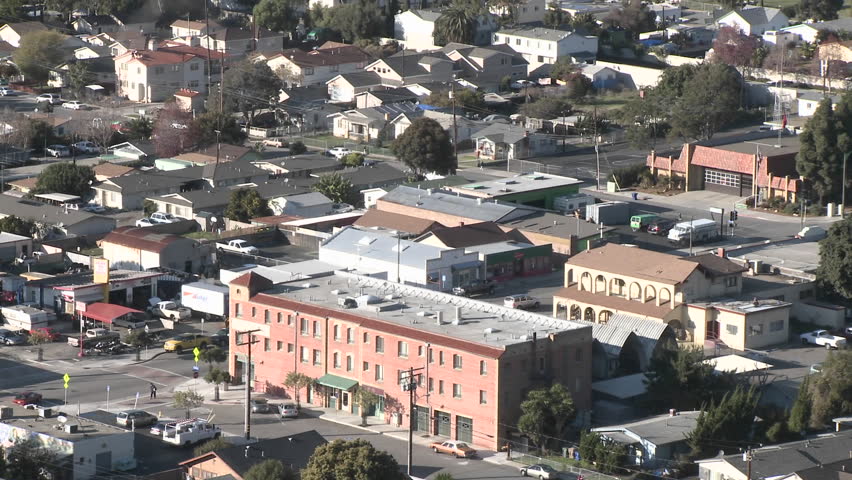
(202, 235)
(606, 102)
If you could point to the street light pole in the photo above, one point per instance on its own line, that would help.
(247, 427)
(843, 186)
(410, 385)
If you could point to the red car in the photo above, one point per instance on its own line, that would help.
(27, 398)
(52, 334)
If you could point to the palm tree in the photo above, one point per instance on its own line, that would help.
(455, 25)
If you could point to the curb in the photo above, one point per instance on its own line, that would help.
(134, 362)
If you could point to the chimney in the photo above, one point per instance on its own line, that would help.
(458, 315)
(152, 44)
(721, 252)
(439, 318)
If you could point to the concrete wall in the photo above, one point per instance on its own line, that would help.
(633, 75)
(120, 445)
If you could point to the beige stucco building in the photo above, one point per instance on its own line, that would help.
(697, 296)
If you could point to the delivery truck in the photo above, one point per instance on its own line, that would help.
(695, 231)
(207, 300)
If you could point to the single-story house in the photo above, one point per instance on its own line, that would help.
(132, 248)
(367, 124)
(55, 221)
(14, 246)
(754, 20)
(500, 141)
(107, 170)
(602, 77)
(305, 205)
(344, 87)
(464, 127)
(653, 440)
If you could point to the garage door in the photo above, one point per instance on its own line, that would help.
(724, 182)
(422, 424)
(464, 429)
(443, 420)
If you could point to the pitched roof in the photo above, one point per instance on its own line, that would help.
(396, 221)
(226, 152)
(410, 64)
(659, 429)
(110, 170)
(755, 15)
(334, 54)
(141, 239)
(99, 20)
(22, 28)
(428, 15)
(25, 183)
(715, 265)
(634, 262)
(44, 213)
(647, 309)
(360, 79)
(156, 57)
(253, 282)
(471, 235)
(444, 202)
(144, 182)
(502, 133)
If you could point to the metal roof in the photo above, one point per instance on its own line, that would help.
(445, 202)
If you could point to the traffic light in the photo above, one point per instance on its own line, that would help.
(733, 215)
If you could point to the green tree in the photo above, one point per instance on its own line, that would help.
(577, 85)
(78, 77)
(139, 128)
(8, 70)
(297, 148)
(645, 118)
(819, 10)
(11, 9)
(800, 414)
(250, 86)
(246, 204)
(138, 339)
(38, 52)
(366, 400)
(546, 413)
(563, 69)
(354, 159)
(835, 259)
(17, 225)
(455, 25)
(709, 102)
(356, 459)
(229, 129)
(271, 469)
(465, 98)
(279, 15)
(554, 17)
(187, 400)
(425, 147)
(149, 207)
(606, 454)
(65, 178)
(546, 107)
(297, 381)
(819, 159)
(38, 338)
(508, 10)
(356, 21)
(585, 22)
(720, 425)
(212, 445)
(337, 188)
(28, 459)
(634, 17)
(831, 390)
(215, 375)
(681, 380)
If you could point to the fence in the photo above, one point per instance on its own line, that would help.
(324, 142)
(522, 453)
(527, 166)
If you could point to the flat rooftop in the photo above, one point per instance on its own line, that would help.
(556, 224)
(744, 306)
(86, 429)
(498, 247)
(530, 182)
(480, 322)
(80, 280)
(769, 146)
(795, 257)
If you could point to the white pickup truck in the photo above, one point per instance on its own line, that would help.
(190, 432)
(171, 310)
(239, 246)
(822, 337)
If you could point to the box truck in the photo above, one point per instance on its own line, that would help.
(697, 231)
(209, 301)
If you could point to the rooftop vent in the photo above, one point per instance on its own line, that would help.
(366, 240)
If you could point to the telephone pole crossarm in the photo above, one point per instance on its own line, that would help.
(251, 340)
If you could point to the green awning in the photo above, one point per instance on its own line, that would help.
(335, 381)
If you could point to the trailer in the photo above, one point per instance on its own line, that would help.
(190, 432)
(208, 300)
(23, 317)
(74, 340)
(608, 213)
(695, 231)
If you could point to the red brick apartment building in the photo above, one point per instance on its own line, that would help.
(347, 331)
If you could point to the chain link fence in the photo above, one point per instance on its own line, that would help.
(523, 453)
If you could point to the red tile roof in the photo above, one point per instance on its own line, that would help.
(723, 160)
(378, 325)
(253, 281)
(140, 238)
(187, 93)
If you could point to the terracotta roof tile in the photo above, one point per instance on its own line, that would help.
(723, 160)
(110, 170)
(139, 238)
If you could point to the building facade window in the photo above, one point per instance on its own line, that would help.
(380, 372)
(483, 367)
(402, 349)
(776, 326)
(440, 387)
(279, 345)
(238, 310)
(380, 344)
(280, 317)
(266, 318)
(290, 348)
(303, 354)
(303, 326)
(457, 362)
(349, 363)
(731, 329)
(483, 397)
(317, 332)
(336, 360)
(440, 358)
(457, 390)
(337, 333)
(266, 346)
(350, 336)
(317, 357)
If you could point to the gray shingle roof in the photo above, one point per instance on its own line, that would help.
(43, 213)
(537, 33)
(660, 429)
(502, 133)
(428, 15)
(362, 79)
(444, 202)
(410, 64)
(758, 15)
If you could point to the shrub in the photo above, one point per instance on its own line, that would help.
(629, 176)
(297, 148)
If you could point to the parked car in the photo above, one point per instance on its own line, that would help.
(289, 410)
(341, 208)
(339, 152)
(86, 147)
(51, 98)
(94, 208)
(823, 338)
(96, 332)
(74, 105)
(145, 222)
(27, 398)
(454, 448)
(57, 151)
(8, 337)
(163, 217)
(525, 302)
(220, 337)
(171, 310)
(519, 84)
(495, 117)
(139, 418)
(239, 246)
(539, 470)
(131, 322)
(661, 227)
(260, 405)
(476, 287)
(52, 334)
(186, 341)
(275, 142)
(7, 92)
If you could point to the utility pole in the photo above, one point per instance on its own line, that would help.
(410, 385)
(398, 254)
(209, 73)
(843, 186)
(597, 151)
(249, 342)
(747, 457)
(455, 132)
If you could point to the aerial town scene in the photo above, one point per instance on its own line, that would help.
(425, 239)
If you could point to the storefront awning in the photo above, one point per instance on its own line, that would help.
(106, 312)
(335, 381)
(466, 265)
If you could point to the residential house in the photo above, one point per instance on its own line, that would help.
(122, 42)
(305, 205)
(14, 246)
(376, 98)
(238, 42)
(367, 124)
(293, 450)
(486, 67)
(809, 32)
(132, 248)
(544, 46)
(809, 101)
(696, 296)
(385, 256)
(280, 165)
(459, 128)
(626, 345)
(527, 11)
(155, 74)
(653, 441)
(95, 24)
(100, 71)
(501, 141)
(129, 192)
(534, 189)
(141, 20)
(380, 175)
(819, 457)
(107, 170)
(602, 77)
(341, 330)
(343, 88)
(12, 33)
(414, 29)
(193, 28)
(56, 221)
(92, 51)
(754, 20)
(504, 254)
(411, 67)
(762, 167)
(23, 186)
(189, 100)
(130, 151)
(299, 68)
(404, 225)
(224, 153)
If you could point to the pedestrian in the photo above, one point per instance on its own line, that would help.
(153, 391)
